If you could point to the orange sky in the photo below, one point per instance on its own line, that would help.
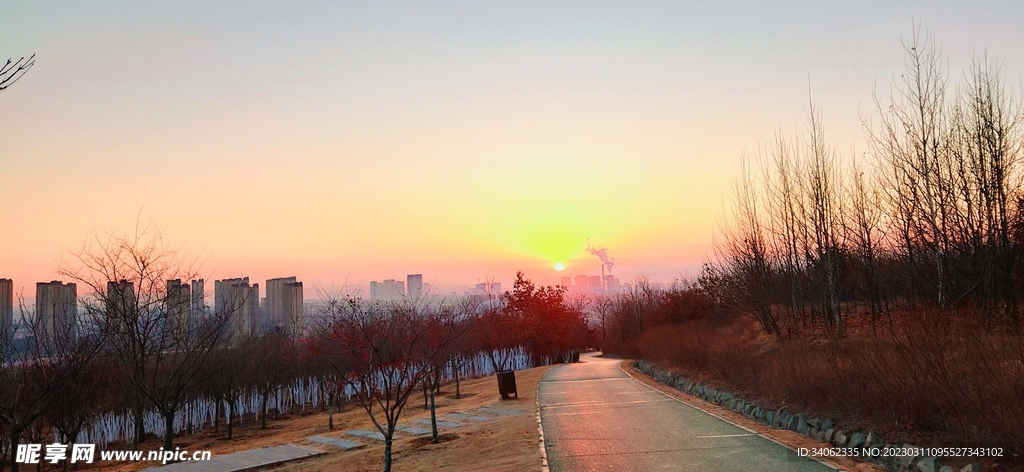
(349, 143)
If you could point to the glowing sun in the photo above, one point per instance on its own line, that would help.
(559, 266)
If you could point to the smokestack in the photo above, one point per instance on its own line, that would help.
(602, 252)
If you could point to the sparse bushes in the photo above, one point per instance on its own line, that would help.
(928, 218)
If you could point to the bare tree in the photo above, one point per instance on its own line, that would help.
(13, 70)
(786, 222)
(163, 357)
(88, 396)
(601, 307)
(823, 193)
(384, 352)
(863, 224)
(745, 263)
(36, 373)
(987, 144)
(228, 372)
(449, 322)
(912, 144)
(273, 366)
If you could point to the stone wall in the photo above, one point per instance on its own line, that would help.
(818, 429)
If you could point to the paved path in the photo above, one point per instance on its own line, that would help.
(244, 460)
(595, 417)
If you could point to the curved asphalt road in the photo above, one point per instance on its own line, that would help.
(595, 417)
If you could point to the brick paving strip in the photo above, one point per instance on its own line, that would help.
(412, 430)
(463, 417)
(498, 411)
(244, 460)
(366, 434)
(440, 424)
(346, 445)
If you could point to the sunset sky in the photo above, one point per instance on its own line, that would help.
(343, 143)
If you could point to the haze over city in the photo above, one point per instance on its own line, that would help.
(348, 143)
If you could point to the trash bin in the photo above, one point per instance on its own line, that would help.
(575, 356)
(507, 384)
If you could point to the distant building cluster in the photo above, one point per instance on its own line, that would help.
(282, 309)
(485, 290)
(592, 283)
(57, 311)
(392, 290)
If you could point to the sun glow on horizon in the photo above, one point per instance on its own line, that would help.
(559, 266)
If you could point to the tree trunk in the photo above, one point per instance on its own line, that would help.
(230, 413)
(15, 437)
(140, 427)
(387, 455)
(458, 392)
(330, 414)
(433, 419)
(169, 431)
(263, 411)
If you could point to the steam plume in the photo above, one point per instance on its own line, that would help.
(602, 252)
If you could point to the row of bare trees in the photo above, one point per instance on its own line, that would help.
(930, 215)
(386, 352)
(131, 350)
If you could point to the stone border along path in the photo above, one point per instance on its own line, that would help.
(819, 430)
(244, 460)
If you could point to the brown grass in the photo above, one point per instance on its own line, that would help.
(926, 379)
(504, 443)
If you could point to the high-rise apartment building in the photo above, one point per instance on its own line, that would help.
(239, 301)
(179, 303)
(581, 282)
(292, 315)
(56, 310)
(390, 289)
(275, 309)
(198, 299)
(222, 293)
(594, 282)
(567, 282)
(414, 284)
(120, 302)
(6, 308)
